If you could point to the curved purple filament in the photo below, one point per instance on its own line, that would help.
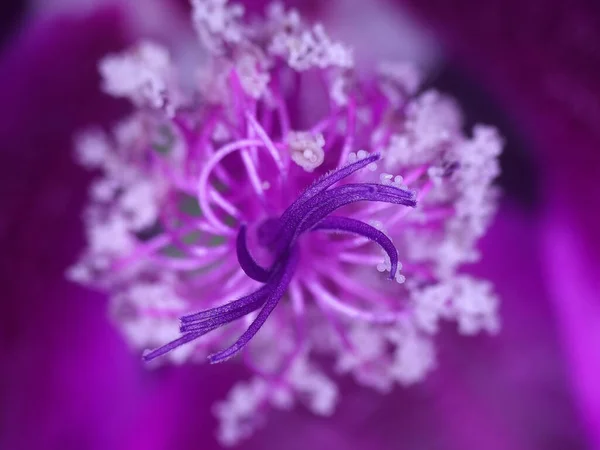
(321, 185)
(341, 195)
(247, 262)
(207, 321)
(173, 345)
(335, 202)
(283, 280)
(349, 225)
(231, 306)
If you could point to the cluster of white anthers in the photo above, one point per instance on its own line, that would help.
(276, 106)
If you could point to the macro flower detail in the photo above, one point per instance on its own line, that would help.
(259, 211)
(309, 212)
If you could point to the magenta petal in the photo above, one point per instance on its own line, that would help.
(51, 329)
(573, 271)
(540, 60)
(514, 386)
(67, 380)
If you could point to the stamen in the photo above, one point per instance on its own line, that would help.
(252, 172)
(328, 300)
(224, 204)
(362, 229)
(267, 142)
(203, 185)
(350, 132)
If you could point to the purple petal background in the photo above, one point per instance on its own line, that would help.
(68, 380)
(541, 61)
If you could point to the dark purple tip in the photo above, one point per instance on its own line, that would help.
(357, 227)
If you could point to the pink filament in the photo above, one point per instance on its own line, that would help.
(329, 301)
(203, 185)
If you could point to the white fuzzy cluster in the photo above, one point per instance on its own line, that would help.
(126, 198)
(460, 172)
(92, 148)
(318, 392)
(338, 90)
(218, 23)
(242, 412)
(213, 81)
(281, 19)
(302, 379)
(432, 120)
(245, 408)
(475, 197)
(142, 74)
(479, 167)
(305, 48)
(306, 149)
(251, 69)
(468, 301)
(414, 355)
(369, 360)
(312, 48)
(373, 365)
(468, 190)
(253, 76)
(399, 80)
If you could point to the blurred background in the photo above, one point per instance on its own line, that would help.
(530, 67)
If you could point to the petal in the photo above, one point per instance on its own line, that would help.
(553, 92)
(516, 381)
(573, 272)
(68, 381)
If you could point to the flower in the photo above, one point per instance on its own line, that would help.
(204, 197)
(68, 375)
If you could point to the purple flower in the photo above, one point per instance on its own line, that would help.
(67, 376)
(210, 190)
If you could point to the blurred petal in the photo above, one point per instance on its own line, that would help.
(387, 33)
(67, 380)
(50, 329)
(541, 61)
(513, 383)
(573, 270)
